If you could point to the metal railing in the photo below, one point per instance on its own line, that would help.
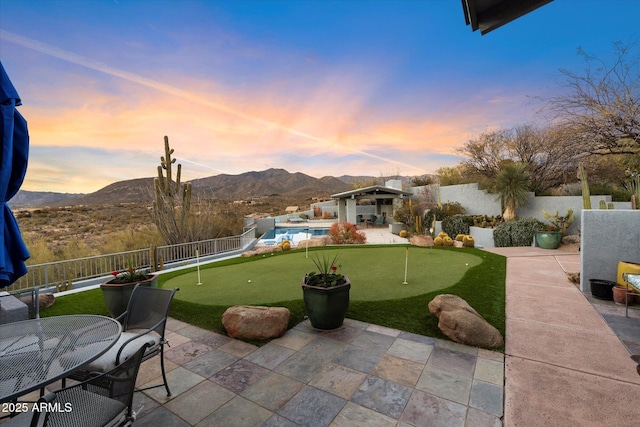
(62, 274)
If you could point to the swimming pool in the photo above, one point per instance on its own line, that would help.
(293, 235)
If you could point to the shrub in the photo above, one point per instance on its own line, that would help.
(454, 225)
(485, 221)
(345, 233)
(407, 215)
(447, 209)
(516, 233)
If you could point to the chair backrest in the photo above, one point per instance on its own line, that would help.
(147, 307)
(118, 385)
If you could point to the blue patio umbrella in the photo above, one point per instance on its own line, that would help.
(13, 166)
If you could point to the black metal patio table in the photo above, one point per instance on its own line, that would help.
(35, 353)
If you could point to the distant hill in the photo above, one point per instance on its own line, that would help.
(268, 182)
(138, 190)
(33, 199)
(232, 187)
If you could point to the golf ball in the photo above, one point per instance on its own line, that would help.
(466, 263)
(249, 281)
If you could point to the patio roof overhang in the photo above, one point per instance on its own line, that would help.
(372, 192)
(487, 15)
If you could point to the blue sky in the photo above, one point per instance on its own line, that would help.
(358, 87)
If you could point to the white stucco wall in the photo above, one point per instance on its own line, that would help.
(608, 236)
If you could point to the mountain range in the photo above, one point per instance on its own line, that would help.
(231, 187)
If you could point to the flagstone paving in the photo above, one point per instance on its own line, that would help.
(358, 375)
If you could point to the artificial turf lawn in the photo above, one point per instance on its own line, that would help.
(376, 274)
(377, 293)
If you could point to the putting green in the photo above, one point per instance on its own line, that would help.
(376, 274)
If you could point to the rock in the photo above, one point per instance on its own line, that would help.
(570, 239)
(255, 322)
(267, 250)
(261, 251)
(313, 243)
(421, 240)
(460, 322)
(45, 300)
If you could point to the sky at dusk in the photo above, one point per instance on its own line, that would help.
(322, 87)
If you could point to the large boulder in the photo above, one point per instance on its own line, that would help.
(423, 240)
(460, 322)
(262, 250)
(255, 322)
(312, 243)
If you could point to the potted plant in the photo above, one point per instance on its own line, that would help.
(326, 294)
(549, 235)
(117, 290)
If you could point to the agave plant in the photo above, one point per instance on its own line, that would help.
(327, 275)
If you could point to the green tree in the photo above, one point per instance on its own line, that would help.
(422, 180)
(452, 175)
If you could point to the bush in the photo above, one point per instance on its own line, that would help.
(407, 215)
(485, 221)
(454, 225)
(516, 233)
(345, 233)
(448, 209)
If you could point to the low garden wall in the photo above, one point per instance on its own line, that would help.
(608, 236)
(482, 236)
(480, 202)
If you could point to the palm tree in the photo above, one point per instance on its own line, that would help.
(512, 183)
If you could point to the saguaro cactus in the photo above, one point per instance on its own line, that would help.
(635, 197)
(170, 209)
(586, 196)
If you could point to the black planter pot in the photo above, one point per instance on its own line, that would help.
(117, 295)
(602, 289)
(326, 307)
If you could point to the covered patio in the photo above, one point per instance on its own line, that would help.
(383, 201)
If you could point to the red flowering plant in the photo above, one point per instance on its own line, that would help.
(129, 275)
(327, 275)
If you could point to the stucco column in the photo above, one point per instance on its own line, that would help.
(342, 210)
(351, 211)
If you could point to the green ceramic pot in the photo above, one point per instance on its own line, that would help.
(548, 240)
(326, 307)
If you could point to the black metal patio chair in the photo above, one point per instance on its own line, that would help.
(145, 318)
(105, 399)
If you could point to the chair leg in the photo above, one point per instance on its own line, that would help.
(164, 375)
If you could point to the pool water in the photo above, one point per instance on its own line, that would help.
(294, 235)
